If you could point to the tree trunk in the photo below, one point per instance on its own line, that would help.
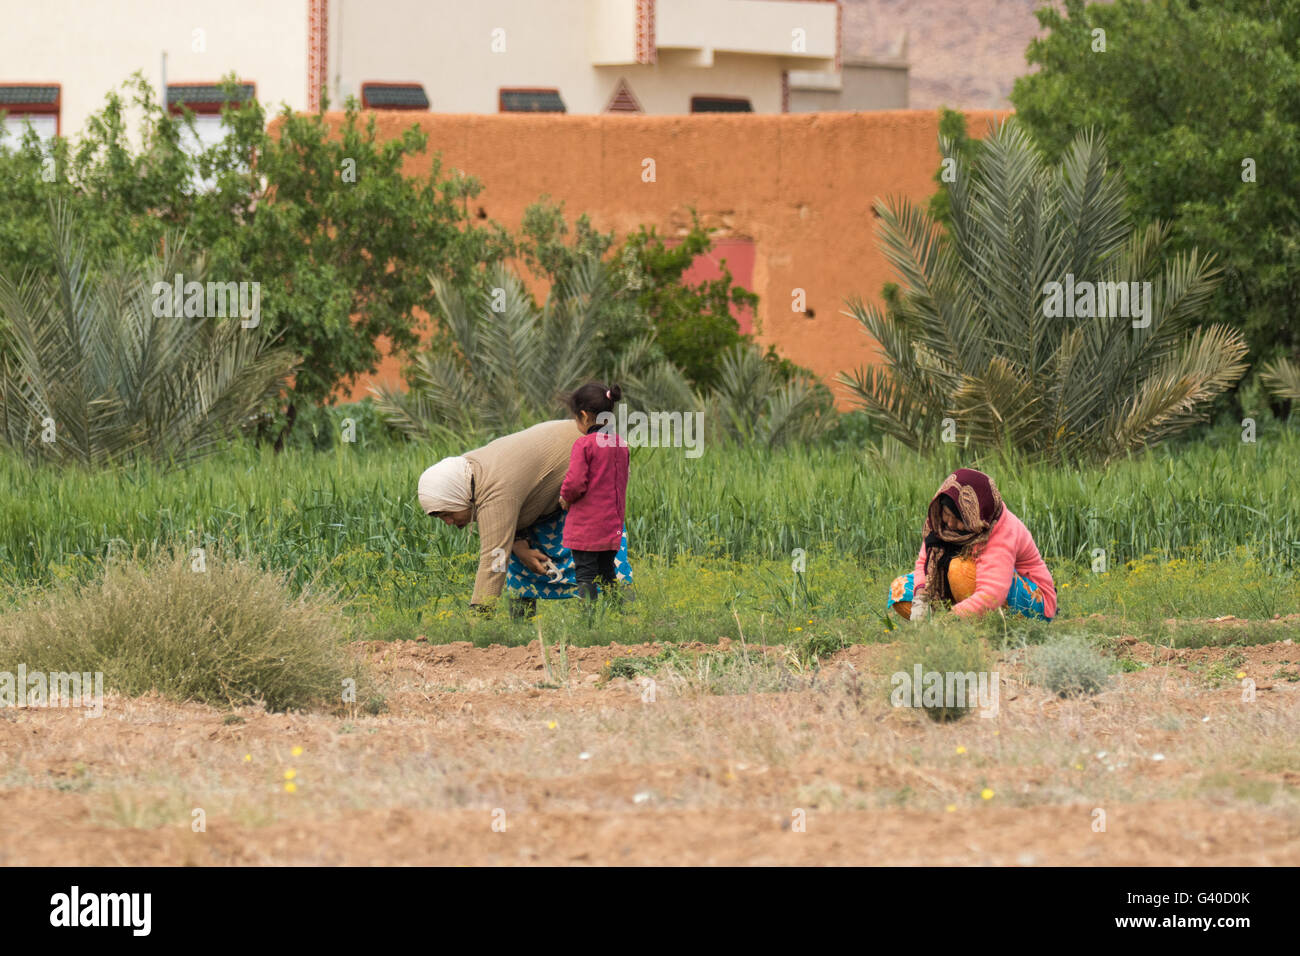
(290, 414)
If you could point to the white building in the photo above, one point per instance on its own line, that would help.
(58, 58)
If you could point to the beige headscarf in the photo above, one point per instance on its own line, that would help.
(445, 486)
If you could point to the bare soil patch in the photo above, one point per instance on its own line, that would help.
(479, 759)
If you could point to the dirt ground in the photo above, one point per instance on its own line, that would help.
(481, 759)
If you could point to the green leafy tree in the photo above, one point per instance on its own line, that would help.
(553, 253)
(962, 149)
(341, 241)
(498, 362)
(347, 261)
(691, 325)
(1200, 104)
(972, 338)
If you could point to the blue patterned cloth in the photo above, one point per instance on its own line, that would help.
(1023, 598)
(548, 536)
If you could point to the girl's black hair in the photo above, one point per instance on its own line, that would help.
(595, 398)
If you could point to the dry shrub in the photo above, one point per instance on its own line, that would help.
(230, 634)
(945, 646)
(1069, 665)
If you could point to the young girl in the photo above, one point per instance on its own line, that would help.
(968, 528)
(595, 489)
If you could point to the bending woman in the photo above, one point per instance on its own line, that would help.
(510, 488)
(976, 555)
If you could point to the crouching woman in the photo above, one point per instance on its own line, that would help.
(975, 555)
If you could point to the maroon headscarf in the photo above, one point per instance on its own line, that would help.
(976, 500)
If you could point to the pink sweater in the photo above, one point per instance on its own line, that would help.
(1009, 551)
(596, 490)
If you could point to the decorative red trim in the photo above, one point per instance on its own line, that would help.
(839, 32)
(646, 50)
(38, 109)
(623, 91)
(204, 107)
(318, 16)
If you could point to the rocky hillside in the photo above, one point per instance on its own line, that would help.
(963, 53)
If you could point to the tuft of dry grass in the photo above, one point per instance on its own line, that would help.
(214, 630)
(944, 646)
(1070, 665)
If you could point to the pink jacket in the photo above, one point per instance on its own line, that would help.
(1010, 550)
(596, 490)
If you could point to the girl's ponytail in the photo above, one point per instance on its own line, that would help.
(595, 398)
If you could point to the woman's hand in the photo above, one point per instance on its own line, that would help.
(564, 504)
(534, 560)
(920, 607)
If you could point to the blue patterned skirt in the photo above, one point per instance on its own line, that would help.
(547, 536)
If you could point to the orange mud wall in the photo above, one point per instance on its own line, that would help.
(801, 187)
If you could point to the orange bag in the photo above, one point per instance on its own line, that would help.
(961, 578)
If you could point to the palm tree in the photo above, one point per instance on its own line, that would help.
(753, 404)
(500, 363)
(972, 338)
(503, 362)
(1282, 378)
(91, 375)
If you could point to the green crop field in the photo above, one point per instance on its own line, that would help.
(1206, 529)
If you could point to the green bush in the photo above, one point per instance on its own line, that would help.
(1184, 162)
(946, 646)
(316, 208)
(222, 633)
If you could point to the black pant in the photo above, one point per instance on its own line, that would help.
(592, 566)
(522, 608)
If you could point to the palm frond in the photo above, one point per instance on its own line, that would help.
(971, 337)
(91, 362)
(1282, 377)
